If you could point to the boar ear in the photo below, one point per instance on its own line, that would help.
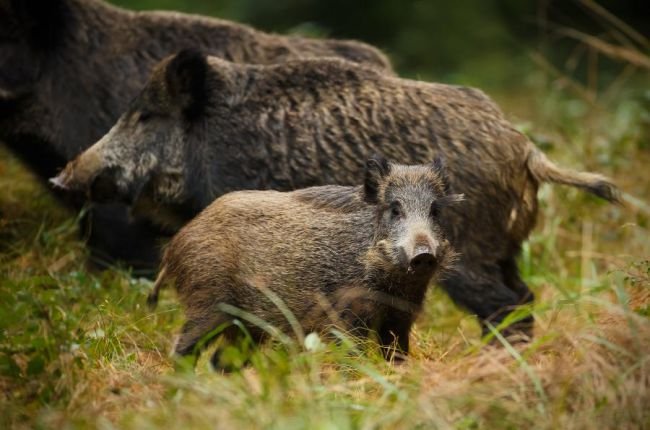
(451, 199)
(439, 166)
(377, 168)
(186, 76)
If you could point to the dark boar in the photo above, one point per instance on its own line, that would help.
(68, 69)
(203, 127)
(358, 257)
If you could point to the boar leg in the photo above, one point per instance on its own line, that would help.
(355, 308)
(197, 331)
(490, 292)
(394, 336)
(113, 237)
(246, 345)
(513, 280)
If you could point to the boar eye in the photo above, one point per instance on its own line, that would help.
(145, 116)
(434, 212)
(395, 210)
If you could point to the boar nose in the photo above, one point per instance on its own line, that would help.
(423, 259)
(80, 172)
(61, 180)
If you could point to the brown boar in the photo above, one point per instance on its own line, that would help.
(68, 69)
(202, 127)
(358, 257)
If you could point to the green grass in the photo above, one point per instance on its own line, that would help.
(79, 349)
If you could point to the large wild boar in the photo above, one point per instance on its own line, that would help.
(68, 69)
(360, 258)
(202, 127)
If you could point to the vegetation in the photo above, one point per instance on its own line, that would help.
(78, 348)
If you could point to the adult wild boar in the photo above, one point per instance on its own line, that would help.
(357, 257)
(202, 127)
(68, 69)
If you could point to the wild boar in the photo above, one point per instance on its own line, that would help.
(68, 69)
(360, 258)
(202, 127)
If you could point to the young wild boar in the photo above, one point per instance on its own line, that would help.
(361, 257)
(68, 69)
(202, 127)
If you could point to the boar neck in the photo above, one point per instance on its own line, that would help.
(395, 282)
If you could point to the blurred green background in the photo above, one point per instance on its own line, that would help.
(486, 43)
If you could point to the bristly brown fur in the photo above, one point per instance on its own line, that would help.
(69, 68)
(315, 122)
(307, 247)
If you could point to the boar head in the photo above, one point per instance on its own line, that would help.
(409, 203)
(151, 146)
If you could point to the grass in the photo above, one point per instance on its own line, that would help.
(79, 349)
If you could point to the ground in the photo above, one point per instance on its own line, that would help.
(79, 348)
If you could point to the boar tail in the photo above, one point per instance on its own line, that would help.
(152, 298)
(544, 170)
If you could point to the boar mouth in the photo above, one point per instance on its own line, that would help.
(106, 187)
(422, 262)
(102, 187)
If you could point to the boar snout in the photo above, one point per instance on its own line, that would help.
(61, 180)
(422, 257)
(80, 172)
